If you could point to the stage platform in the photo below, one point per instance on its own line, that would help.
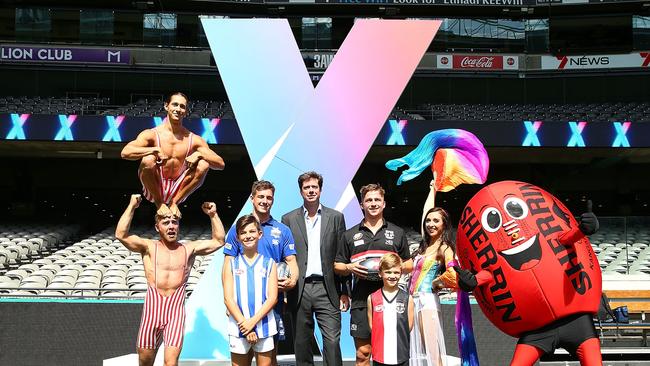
(283, 360)
(287, 360)
(89, 332)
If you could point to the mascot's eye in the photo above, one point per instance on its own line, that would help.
(491, 219)
(516, 208)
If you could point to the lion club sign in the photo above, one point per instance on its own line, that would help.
(478, 62)
(511, 230)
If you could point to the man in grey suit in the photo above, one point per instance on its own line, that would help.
(316, 230)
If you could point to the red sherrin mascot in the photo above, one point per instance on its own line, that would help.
(532, 270)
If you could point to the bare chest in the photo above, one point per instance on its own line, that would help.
(171, 261)
(175, 147)
(165, 267)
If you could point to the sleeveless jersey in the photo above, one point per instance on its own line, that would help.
(250, 290)
(390, 328)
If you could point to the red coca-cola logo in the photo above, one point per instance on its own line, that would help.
(483, 62)
(478, 62)
(444, 60)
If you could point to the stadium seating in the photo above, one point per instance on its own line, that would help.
(147, 107)
(21, 244)
(621, 250)
(601, 112)
(46, 260)
(51, 105)
(102, 106)
(97, 266)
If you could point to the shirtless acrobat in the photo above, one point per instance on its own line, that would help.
(167, 265)
(174, 160)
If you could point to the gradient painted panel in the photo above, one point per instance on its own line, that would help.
(264, 75)
(353, 99)
(289, 127)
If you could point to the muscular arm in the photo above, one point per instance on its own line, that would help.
(133, 243)
(204, 152)
(140, 147)
(205, 247)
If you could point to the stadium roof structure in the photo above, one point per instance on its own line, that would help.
(515, 9)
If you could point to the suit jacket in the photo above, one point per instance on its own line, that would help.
(332, 227)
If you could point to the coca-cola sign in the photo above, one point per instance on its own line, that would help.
(478, 62)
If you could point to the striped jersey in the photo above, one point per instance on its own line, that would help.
(250, 290)
(390, 328)
(276, 242)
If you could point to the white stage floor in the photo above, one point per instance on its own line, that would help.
(283, 360)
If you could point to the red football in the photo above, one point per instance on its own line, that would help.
(511, 229)
(372, 264)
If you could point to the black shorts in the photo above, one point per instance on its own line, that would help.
(375, 363)
(568, 333)
(359, 327)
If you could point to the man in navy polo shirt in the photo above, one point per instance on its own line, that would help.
(276, 243)
(366, 243)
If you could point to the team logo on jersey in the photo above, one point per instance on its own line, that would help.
(276, 232)
(292, 247)
(379, 308)
(353, 326)
(390, 234)
(400, 307)
(228, 246)
(357, 236)
(238, 272)
(262, 272)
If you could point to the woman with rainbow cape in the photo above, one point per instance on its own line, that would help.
(455, 157)
(432, 271)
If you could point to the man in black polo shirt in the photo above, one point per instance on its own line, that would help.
(367, 242)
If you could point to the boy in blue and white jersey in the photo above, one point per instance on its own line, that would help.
(250, 287)
(276, 242)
